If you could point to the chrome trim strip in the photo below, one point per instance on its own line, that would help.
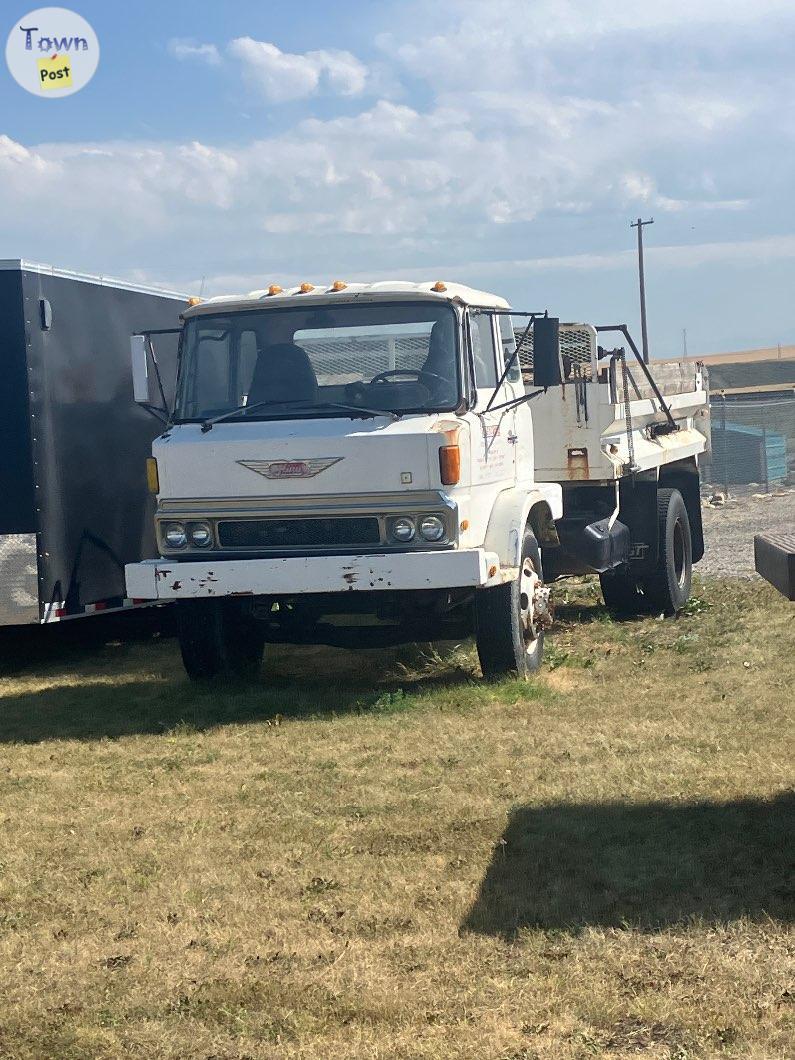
(308, 505)
(20, 265)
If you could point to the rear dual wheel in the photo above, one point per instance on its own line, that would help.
(667, 588)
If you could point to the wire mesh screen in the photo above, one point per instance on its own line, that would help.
(348, 360)
(577, 348)
(753, 443)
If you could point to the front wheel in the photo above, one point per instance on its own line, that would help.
(217, 640)
(510, 619)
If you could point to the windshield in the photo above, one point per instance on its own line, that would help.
(302, 362)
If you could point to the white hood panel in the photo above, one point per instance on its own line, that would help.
(298, 458)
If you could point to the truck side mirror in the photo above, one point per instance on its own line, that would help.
(139, 361)
(546, 352)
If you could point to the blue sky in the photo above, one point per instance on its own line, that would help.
(505, 144)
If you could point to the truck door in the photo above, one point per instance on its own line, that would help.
(522, 416)
(492, 439)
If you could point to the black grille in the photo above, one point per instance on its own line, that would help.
(298, 533)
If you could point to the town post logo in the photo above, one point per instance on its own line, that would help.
(52, 52)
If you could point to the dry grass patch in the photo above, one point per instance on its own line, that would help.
(376, 855)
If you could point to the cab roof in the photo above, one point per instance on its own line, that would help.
(339, 291)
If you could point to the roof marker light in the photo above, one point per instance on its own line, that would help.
(194, 301)
(339, 285)
(305, 288)
(274, 289)
(439, 286)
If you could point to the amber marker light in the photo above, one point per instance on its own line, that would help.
(450, 464)
(152, 477)
(306, 288)
(275, 289)
(339, 285)
(439, 287)
(195, 301)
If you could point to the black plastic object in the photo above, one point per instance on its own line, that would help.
(774, 559)
(595, 546)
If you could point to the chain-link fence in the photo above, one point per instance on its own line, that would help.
(753, 443)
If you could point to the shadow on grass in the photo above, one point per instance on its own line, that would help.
(647, 866)
(98, 678)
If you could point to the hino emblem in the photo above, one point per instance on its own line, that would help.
(291, 468)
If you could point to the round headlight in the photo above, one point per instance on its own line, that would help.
(432, 528)
(200, 534)
(403, 529)
(174, 535)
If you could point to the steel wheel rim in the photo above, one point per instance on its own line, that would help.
(528, 583)
(679, 553)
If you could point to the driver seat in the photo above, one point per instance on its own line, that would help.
(441, 360)
(283, 372)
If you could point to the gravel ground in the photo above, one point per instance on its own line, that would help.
(729, 531)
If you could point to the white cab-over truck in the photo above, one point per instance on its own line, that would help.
(370, 464)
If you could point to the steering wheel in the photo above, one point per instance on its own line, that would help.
(418, 373)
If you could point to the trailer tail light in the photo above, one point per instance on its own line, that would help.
(152, 477)
(450, 464)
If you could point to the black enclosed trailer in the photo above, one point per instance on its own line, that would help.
(74, 502)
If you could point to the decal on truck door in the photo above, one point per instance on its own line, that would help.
(291, 468)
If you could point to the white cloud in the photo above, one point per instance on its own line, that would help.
(187, 48)
(535, 138)
(280, 76)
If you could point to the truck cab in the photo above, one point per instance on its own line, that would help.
(353, 465)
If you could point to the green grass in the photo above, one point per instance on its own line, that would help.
(378, 855)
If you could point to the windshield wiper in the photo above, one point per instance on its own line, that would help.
(360, 410)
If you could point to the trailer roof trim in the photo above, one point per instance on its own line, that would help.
(21, 265)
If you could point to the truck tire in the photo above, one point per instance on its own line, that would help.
(217, 640)
(668, 589)
(621, 593)
(509, 638)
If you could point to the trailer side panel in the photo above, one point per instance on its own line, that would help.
(90, 440)
(19, 601)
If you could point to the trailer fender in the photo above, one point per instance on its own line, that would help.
(512, 511)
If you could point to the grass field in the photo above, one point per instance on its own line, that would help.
(375, 855)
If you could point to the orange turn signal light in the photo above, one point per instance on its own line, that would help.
(450, 464)
(275, 289)
(152, 477)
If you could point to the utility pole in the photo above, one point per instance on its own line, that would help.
(684, 343)
(643, 332)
